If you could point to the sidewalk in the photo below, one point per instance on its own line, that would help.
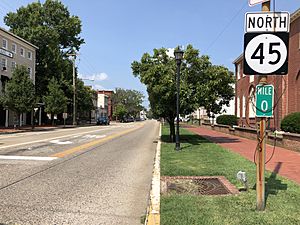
(285, 162)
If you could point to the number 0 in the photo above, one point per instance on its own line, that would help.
(264, 106)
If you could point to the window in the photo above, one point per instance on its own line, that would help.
(251, 78)
(252, 110)
(22, 52)
(29, 55)
(238, 71)
(13, 65)
(3, 64)
(4, 43)
(30, 72)
(244, 106)
(238, 107)
(14, 48)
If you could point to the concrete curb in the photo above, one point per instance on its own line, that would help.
(153, 211)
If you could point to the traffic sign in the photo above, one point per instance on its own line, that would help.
(266, 53)
(264, 100)
(267, 22)
(254, 2)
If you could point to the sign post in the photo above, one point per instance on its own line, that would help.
(266, 44)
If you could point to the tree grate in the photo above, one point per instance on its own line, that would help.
(197, 185)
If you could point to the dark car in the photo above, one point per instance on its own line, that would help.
(103, 120)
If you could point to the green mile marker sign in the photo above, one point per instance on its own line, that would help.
(264, 100)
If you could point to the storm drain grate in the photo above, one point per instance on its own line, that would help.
(196, 185)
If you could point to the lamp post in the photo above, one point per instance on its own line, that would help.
(178, 53)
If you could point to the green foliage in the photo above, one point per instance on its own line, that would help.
(120, 111)
(55, 100)
(85, 97)
(291, 123)
(131, 100)
(54, 31)
(201, 83)
(19, 93)
(229, 120)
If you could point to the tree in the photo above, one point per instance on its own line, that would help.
(19, 93)
(54, 31)
(85, 98)
(120, 111)
(55, 100)
(131, 100)
(201, 83)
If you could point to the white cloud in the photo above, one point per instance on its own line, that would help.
(94, 77)
(100, 77)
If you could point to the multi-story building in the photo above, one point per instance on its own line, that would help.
(14, 51)
(104, 103)
(287, 87)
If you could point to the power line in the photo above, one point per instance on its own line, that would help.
(226, 26)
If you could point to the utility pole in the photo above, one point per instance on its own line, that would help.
(260, 165)
(74, 87)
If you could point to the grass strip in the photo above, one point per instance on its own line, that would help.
(200, 157)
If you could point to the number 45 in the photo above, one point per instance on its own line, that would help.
(259, 53)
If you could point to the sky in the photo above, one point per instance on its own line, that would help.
(117, 32)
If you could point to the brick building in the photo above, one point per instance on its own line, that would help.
(14, 51)
(104, 103)
(287, 88)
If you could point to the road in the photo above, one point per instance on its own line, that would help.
(88, 175)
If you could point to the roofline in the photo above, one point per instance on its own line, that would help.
(21, 39)
(295, 15)
(238, 58)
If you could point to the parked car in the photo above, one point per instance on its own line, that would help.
(127, 119)
(103, 120)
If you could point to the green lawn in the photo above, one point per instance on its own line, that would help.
(200, 157)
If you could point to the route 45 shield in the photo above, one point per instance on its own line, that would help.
(266, 53)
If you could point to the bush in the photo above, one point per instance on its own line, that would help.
(291, 123)
(229, 120)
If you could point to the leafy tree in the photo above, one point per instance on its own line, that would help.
(55, 100)
(85, 98)
(120, 111)
(54, 31)
(131, 100)
(201, 83)
(19, 93)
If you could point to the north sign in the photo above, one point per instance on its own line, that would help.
(267, 22)
(266, 53)
(264, 100)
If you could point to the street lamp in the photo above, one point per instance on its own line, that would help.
(178, 53)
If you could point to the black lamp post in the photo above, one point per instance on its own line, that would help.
(178, 53)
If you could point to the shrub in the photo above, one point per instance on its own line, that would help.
(291, 123)
(229, 120)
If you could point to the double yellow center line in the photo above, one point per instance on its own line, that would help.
(93, 143)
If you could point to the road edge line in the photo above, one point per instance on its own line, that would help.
(153, 212)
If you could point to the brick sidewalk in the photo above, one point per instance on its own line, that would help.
(284, 162)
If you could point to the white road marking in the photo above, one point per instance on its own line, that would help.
(61, 142)
(49, 139)
(94, 136)
(36, 158)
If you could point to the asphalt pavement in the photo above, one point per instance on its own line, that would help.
(100, 175)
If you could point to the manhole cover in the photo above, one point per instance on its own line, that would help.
(196, 185)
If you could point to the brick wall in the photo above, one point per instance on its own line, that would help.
(286, 140)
